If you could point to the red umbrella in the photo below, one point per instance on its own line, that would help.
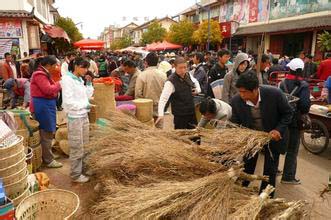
(86, 43)
(151, 47)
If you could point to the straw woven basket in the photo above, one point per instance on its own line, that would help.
(54, 204)
(37, 158)
(13, 169)
(34, 140)
(11, 160)
(15, 177)
(150, 123)
(144, 111)
(12, 149)
(19, 115)
(64, 146)
(104, 98)
(61, 134)
(13, 190)
(25, 134)
(22, 196)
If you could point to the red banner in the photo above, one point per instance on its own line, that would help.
(253, 10)
(226, 29)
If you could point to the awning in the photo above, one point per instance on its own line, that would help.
(294, 23)
(89, 43)
(165, 45)
(56, 32)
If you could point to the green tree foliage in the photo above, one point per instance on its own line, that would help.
(324, 41)
(181, 33)
(154, 33)
(200, 36)
(121, 43)
(69, 26)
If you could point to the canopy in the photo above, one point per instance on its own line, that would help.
(90, 44)
(165, 45)
(56, 32)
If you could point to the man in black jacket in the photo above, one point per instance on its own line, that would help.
(266, 109)
(219, 70)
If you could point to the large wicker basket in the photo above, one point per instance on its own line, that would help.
(13, 149)
(11, 160)
(52, 204)
(25, 134)
(13, 169)
(22, 196)
(37, 158)
(15, 177)
(34, 139)
(14, 190)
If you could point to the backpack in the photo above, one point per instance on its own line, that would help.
(303, 121)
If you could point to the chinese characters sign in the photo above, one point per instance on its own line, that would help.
(10, 29)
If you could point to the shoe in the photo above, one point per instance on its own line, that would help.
(292, 182)
(167, 113)
(81, 179)
(59, 109)
(55, 164)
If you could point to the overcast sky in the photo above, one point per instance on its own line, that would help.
(97, 14)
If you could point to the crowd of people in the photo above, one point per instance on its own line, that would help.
(181, 80)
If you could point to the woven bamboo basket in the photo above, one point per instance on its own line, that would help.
(61, 134)
(12, 149)
(25, 134)
(11, 160)
(144, 111)
(37, 158)
(54, 204)
(15, 177)
(64, 146)
(22, 196)
(13, 169)
(20, 116)
(150, 123)
(13, 190)
(104, 98)
(34, 140)
(33, 124)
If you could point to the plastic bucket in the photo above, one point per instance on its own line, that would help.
(29, 157)
(217, 87)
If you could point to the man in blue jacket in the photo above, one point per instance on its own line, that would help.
(262, 108)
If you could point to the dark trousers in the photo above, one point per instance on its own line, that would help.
(185, 121)
(290, 165)
(271, 161)
(59, 100)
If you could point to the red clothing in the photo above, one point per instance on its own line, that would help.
(20, 86)
(42, 86)
(7, 71)
(324, 70)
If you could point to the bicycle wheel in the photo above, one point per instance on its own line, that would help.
(315, 139)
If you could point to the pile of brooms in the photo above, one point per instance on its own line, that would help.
(145, 173)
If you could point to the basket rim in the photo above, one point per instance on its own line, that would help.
(25, 176)
(19, 141)
(23, 159)
(50, 191)
(24, 192)
(12, 156)
(10, 176)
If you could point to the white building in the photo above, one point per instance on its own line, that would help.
(20, 23)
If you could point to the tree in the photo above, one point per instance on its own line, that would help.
(155, 32)
(69, 26)
(324, 41)
(200, 36)
(121, 43)
(181, 33)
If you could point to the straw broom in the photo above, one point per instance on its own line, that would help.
(295, 211)
(254, 206)
(204, 198)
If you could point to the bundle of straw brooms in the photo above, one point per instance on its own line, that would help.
(145, 173)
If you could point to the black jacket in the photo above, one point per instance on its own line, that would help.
(275, 110)
(310, 70)
(215, 73)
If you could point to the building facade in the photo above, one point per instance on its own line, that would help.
(287, 26)
(21, 22)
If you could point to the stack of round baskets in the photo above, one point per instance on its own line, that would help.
(54, 204)
(14, 172)
(29, 129)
